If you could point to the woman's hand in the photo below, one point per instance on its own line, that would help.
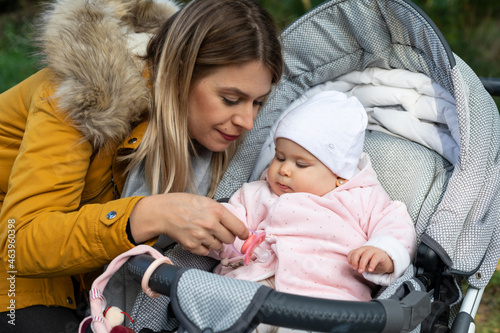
(197, 223)
(371, 259)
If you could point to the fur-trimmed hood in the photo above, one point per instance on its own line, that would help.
(90, 45)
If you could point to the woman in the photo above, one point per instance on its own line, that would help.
(69, 134)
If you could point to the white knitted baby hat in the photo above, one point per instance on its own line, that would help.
(331, 127)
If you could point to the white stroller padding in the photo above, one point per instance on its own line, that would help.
(398, 102)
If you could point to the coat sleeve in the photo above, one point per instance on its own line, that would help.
(391, 229)
(53, 235)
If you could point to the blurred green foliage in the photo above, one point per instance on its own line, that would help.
(17, 59)
(471, 27)
(16, 55)
(287, 11)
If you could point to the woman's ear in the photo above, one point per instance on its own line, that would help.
(341, 181)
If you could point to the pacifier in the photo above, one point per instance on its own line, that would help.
(250, 247)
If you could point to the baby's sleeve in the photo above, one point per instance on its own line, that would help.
(397, 252)
(391, 230)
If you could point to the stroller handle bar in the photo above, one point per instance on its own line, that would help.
(492, 85)
(307, 313)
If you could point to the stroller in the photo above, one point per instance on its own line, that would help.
(439, 153)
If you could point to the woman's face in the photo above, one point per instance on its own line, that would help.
(224, 104)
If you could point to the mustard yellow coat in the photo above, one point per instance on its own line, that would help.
(58, 197)
(60, 134)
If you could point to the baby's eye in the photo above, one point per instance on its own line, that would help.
(279, 158)
(301, 165)
(229, 101)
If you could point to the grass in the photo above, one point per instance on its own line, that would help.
(487, 319)
(474, 40)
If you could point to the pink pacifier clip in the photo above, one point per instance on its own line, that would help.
(250, 244)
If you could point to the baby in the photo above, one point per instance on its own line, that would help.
(331, 230)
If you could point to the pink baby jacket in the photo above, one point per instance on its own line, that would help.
(309, 237)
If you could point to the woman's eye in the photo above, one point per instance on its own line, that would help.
(229, 101)
(258, 103)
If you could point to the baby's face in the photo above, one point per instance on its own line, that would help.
(293, 169)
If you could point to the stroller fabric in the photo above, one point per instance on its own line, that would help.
(339, 37)
(195, 306)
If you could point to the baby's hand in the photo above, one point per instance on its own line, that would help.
(371, 259)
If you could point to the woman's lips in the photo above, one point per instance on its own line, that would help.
(229, 137)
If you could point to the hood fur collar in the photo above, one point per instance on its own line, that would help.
(90, 45)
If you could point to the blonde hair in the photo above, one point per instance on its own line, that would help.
(203, 36)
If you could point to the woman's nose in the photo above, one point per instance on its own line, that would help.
(245, 117)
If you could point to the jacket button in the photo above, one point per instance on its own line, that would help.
(132, 141)
(111, 215)
(69, 300)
